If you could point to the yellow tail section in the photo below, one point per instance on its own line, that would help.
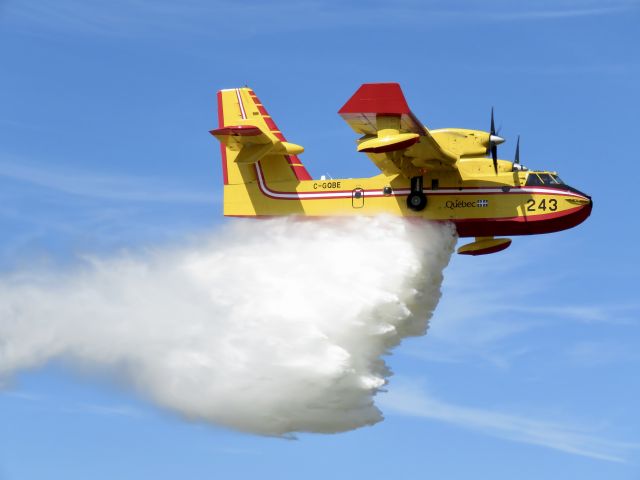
(248, 135)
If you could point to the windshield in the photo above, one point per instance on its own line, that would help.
(539, 179)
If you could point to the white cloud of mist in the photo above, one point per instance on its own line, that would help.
(270, 327)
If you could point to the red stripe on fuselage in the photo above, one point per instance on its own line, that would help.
(296, 195)
(468, 227)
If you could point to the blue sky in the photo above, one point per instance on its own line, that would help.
(530, 365)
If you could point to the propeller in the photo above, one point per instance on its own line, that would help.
(494, 141)
(517, 158)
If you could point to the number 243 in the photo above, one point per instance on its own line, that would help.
(551, 205)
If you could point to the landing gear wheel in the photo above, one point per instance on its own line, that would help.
(416, 200)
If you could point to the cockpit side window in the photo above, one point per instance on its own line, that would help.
(546, 179)
(539, 179)
(533, 180)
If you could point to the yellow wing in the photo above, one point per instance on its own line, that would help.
(393, 137)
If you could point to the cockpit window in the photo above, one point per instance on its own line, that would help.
(533, 180)
(539, 179)
(546, 179)
(557, 179)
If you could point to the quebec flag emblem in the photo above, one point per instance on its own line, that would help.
(482, 203)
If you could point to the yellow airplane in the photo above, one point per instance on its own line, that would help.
(440, 175)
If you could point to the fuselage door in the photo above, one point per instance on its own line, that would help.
(357, 198)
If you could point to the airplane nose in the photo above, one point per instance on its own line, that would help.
(588, 207)
(495, 139)
(582, 194)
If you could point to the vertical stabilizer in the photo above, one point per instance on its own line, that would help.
(248, 135)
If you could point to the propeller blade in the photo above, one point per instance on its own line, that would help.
(494, 155)
(493, 125)
(517, 159)
(494, 141)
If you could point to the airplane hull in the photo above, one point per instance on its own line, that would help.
(546, 223)
(492, 210)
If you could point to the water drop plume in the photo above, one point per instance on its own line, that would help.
(271, 327)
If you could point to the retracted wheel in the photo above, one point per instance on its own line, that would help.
(416, 200)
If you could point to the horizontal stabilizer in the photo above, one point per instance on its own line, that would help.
(484, 246)
(237, 131)
(241, 134)
(252, 143)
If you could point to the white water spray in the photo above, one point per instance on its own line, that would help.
(270, 327)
